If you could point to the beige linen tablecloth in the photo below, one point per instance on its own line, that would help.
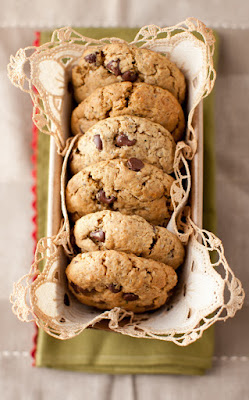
(228, 379)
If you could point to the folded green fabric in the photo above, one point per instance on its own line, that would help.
(107, 352)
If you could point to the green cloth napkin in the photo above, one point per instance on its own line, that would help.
(107, 352)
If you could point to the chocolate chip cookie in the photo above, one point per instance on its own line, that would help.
(124, 137)
(129, 186)
(108, 279)
(126, 98)
(117, 62)
(111, 230)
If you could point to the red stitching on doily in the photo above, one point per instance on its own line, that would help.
(34, 143)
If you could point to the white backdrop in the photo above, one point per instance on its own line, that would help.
(229, 377)
(47, 13)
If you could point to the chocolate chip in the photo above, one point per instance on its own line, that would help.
(66, 300)
(130, 76)
(75, 287)
(113, 66)
(123, 140)
(103, 199)
(99, 236)
(62, 320)
(87, 292)
(114, 288)
(98, 142)
(135, 164)
(91, 58)
(130, 296)
(78, 289)
(154, 240)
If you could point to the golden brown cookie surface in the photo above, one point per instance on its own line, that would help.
(117, 62)
(108, 279)
(129, 186)
(109, 230)
(126, 98)
(124, 137)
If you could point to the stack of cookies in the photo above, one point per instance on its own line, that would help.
(129, 118)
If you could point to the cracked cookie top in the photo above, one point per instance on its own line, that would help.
(109, 230)
(129, 186)
(124, 137)
(126, 98)
(108, 279)
(117, 62)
